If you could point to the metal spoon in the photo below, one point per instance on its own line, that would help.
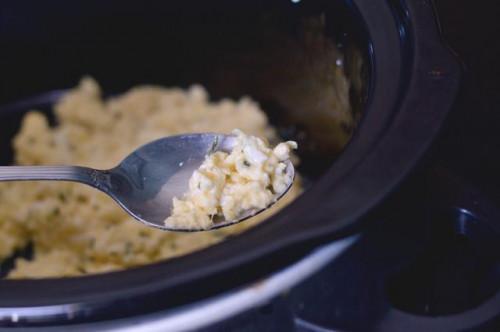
(146, 181)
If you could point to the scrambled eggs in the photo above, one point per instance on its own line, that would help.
(227, 184)
(78, 230)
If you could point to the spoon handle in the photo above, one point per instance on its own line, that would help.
(59, 173)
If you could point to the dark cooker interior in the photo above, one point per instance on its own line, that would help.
(233, 48)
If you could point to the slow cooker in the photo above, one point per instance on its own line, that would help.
(403, 82)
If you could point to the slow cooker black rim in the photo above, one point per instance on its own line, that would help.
(433, 70)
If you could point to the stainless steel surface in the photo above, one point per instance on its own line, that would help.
(147, 180)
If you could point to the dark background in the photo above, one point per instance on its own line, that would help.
(470, 143)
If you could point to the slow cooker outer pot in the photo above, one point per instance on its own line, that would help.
(413, 83)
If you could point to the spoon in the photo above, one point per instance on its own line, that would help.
(147, 180)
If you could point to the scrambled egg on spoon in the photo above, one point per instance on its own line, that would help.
(228, 184)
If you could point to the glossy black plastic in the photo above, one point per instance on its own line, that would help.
(430, 261)
(410, 80)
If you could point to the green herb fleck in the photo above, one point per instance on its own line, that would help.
(128, 248)
(144, 234)
(62, 196)
(56, 211)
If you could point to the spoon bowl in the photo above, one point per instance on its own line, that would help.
(146, 181)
